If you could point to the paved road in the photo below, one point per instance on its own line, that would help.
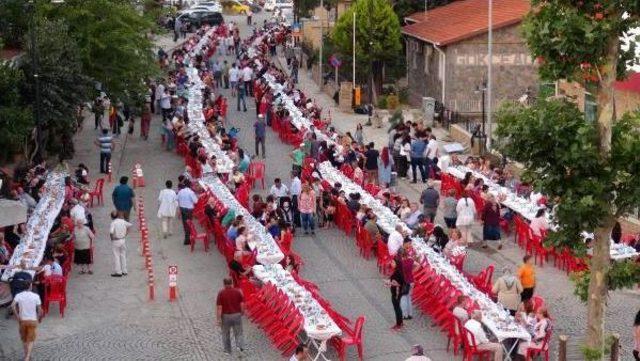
(111, 319)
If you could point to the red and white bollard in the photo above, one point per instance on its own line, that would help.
(138, 176)
(109, 172)
(152, 288)
(173, 283)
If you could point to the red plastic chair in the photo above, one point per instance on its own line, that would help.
(543, 350)
(352, 338)
(97, 192)
(194, 236)
(471, 348)
(285, 242)
(256, 170)
(55, 290)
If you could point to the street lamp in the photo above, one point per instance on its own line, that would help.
(32, 5)
(482, 89)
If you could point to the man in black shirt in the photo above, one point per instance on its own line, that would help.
(371, 163)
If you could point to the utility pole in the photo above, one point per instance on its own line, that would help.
(353, 75)
(490, 79)
(37, 154)
(321, 44)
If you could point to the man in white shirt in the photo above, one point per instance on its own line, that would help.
(77, 212)
(233, 78)
(118, 231)
(295, 189)
(432, 152)
(186, 201)
(165, 104)
(158, 95)
(247, 76)
(278, 189)
(395, 241)
(28, 308)
(459, 311)
(482, 342)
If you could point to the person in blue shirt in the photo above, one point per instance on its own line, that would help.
(260, 133)
(418, 147)
(122, 198)
(243, 165)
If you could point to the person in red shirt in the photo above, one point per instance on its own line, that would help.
(230, 307)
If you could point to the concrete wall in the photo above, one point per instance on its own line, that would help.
(626, 101)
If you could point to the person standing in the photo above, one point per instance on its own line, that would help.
(145, 121)
(186, 201)
(241, 95)
(418, 147)
(247, 77)
(123, 197)
(295, 65)
(168, 203)
(118, 231)
(385, 167)
(297, 156)
(225, 73)
(27, 306)
(106, 144)
(508, 288)
(432, 154)
(165, 104)
(449, 212)
(249, 16)
(260, 129)
(527, 276)
(371, 163)
(407, 271)
(307, 204)
(233, 79)
(82, 242)
(229, 310)
(430, 199)
(98, 111)
(491, 222)
(396, 284)
(466, 210)
(295, 189)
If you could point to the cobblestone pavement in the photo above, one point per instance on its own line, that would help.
(111, 319)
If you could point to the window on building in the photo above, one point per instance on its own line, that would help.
(590, 104)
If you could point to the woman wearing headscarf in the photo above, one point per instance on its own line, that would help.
(385, 167)
(508, 289)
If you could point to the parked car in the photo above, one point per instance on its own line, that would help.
(255, 8)
(197, 18)
(234, 7)
(208, 5)
(271, 5)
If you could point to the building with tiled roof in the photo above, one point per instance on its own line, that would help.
(447, 55)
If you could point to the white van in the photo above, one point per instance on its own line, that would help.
(271, 5)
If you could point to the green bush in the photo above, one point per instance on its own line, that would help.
(392, 101)
(403, 95)
(382, 102)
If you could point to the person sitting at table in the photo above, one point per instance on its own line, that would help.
(474, 327)
(354, 202)
(468, 178)
(361, 213)
(440, 238)
(242, 241)
(526, 316)
(301, 353)
(371, 225)
(539, 224)
(273, 227)
(616, 233)
(477, 185)
(540, 330)
(459, 309)
(235, 265)
(290, 264)
(414, 218)
(404, 210)
(210, 210)
(232, 231)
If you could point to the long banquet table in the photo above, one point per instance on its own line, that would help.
(528, 209)
(318, 324)
(33, 243)
(268, 251)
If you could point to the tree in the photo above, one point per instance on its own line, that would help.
(15, 116)
(405, 8)
(377, 37)
(63, 85)
(113, 44)
(589, 166)
(13, 22)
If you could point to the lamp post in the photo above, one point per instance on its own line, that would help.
(32, 5)
(482, 89)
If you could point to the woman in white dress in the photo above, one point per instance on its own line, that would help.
(168, 203)
(466, 210)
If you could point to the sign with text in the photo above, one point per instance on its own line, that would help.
(173, 275)
(335, 61)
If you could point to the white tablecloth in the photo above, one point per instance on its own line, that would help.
(224, 164)
(314, 314)
(32, 245)
(528, 209)
(494, 316)
(268, 251)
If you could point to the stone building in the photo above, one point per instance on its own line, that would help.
(447, 57)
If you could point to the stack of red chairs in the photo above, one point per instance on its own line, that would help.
(273, 311)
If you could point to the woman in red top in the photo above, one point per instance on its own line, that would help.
(307, 208)
(491, 222)
(145, 121)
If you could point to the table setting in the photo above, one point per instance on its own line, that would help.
(527, 208)
(33, 243)
(318, 325)
(268, 251)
